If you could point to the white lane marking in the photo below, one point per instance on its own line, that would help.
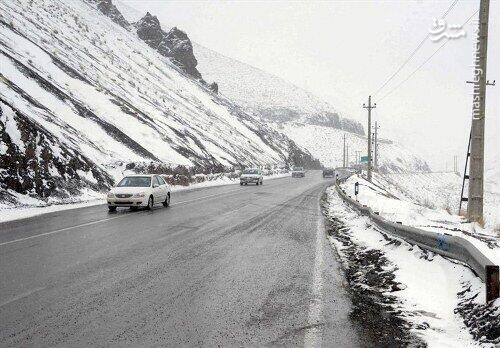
(61, 230)
(312, 337)
(102, 220)
(20, 296)
(209, 196)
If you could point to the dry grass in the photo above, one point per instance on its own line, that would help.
(427, 202)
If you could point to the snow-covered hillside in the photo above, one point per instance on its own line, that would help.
(266, 95)
(81, 96)
(254, 87)
(442, 191)
(326, 144)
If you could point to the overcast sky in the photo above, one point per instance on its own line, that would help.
(342, 51)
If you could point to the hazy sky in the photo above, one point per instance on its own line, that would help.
(343, 51)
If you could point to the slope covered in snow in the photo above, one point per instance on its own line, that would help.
(266, 95)
(81, 96)
(442, 191)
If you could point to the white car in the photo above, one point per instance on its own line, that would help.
(136, 191)
(251, 176)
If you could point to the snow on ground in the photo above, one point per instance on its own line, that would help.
(326, 144)
(32, 207)
(395, 206)
(442, 190)
(427, 297)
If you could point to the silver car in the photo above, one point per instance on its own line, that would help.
(251, 176)
(136, 191)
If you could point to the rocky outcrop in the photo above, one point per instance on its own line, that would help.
(333, 120)
(107, 8)
(324, 119)
(352, 126)
(149, 30)
(214, 87)
(174, 44)
(33, 162)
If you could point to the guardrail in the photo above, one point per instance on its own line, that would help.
(447, 245)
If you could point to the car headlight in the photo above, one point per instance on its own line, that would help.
(111, 195)
(140, 194)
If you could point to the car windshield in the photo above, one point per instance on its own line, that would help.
(298, 169)
(135, 181)
(251, 171)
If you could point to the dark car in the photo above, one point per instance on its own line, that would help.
(328, 173)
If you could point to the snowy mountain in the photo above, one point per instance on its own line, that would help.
(268, 96)
(309, 121)
(82, 95)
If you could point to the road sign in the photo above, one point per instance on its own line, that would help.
(364, 159)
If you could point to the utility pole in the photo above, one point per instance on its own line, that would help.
(369, 107)
(375, 157)
(343, 163)
(347, 156)
(476, 171)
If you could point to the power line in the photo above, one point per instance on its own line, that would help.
(413, 52)
(425, 62)
(414, 72)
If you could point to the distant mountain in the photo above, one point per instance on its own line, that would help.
(309, 121)
(326, 144)
(267, 96)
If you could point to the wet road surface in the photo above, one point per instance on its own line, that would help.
(225, 265)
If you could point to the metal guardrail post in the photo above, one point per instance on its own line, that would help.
(492, 283)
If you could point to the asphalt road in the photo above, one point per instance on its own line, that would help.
(227, 266)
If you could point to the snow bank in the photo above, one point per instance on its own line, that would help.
(394, 205)
(427, 297)
(497, 221)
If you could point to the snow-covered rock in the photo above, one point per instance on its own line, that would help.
(110, 10)
(173, 44)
